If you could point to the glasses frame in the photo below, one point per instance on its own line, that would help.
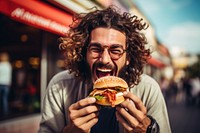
(102, 49)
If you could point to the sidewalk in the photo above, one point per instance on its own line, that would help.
(28, 124)
(183, 118)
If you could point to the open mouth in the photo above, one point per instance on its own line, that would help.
(101, 72)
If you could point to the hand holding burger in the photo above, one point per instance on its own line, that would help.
(109, 90)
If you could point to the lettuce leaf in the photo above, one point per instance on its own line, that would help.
(98, 97)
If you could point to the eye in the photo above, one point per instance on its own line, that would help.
(95, 49)
(117, 50)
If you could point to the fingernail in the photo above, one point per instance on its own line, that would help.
(92, 99)
(125, 92)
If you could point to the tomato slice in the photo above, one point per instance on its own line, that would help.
(111, 95)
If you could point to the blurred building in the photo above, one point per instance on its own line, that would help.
(30, 32)
(160, 65)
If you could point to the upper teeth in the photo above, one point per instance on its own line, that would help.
(104, 70)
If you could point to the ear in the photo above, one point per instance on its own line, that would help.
(127, 62)
(127, 59)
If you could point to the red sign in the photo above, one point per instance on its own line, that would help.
(156, 63)
(37, 14)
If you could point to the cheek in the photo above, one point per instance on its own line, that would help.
(90, 61)
(121, 63)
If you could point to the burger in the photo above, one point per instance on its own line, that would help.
(109, 90)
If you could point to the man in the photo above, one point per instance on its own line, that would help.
(103, 43)
(5, 81)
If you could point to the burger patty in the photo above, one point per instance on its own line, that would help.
(108, 93)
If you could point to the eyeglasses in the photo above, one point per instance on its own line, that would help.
(115, 51)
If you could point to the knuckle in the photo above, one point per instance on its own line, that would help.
(87, 110)
(129, 129)
(83, 103)
(80, 103)
(93, 115)
(145, 111)
(135, 125)
(130, 105)
(82, 128)
(143, 117)
(70, 108)
(72, 116)
(137, 100)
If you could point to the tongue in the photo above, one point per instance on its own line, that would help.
(103, 74)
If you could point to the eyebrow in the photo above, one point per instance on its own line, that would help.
(95, 44)
(99, 45)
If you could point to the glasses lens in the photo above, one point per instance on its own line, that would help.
(115, 52)
(95, 51)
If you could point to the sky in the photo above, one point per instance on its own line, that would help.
(176, 23)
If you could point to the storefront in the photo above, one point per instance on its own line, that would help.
(29, 34)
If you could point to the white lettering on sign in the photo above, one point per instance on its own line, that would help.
(58, 26)
(39, 20)
(36, 19)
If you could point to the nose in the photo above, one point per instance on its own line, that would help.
(105, 57)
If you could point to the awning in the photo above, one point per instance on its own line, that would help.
(155, 62)
(37, 14)
(75, 6)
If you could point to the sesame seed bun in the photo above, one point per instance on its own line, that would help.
(110, 81)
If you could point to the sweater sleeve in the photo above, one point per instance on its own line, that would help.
(150, 93)
(53, 114)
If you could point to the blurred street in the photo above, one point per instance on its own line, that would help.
(184, 118)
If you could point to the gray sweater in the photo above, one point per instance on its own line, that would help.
(64, 89)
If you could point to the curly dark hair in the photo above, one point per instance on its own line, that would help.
(74, 44)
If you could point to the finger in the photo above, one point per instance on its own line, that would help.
(88, 125)
(82, 103)
(137, 101)
(130, 106)
(123, 122)
(85, 119)
(82, 112)
(132, 121)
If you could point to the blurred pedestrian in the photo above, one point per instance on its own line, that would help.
(164, 85)
(188, 89)
(195, 92)
(173, 91)
(5, 81)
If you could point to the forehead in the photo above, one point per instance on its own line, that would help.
(108, 36)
